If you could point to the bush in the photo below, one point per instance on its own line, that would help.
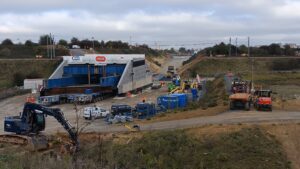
(33, 75)
(5, 52)
(289, 64)
(18, 79)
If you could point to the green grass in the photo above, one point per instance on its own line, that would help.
(267, 72)
(248, 148)
(211, 67)
(273, 78)
(38, 68)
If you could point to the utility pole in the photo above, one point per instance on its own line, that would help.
(236, 47)
(248, 46)
(230, 47)
(53, 47)
(93, 43)
(47, 39)
(252, 65)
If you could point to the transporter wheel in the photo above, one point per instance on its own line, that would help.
(247, 106)
(232, 105)
(257, 107)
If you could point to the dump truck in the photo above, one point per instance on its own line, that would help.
(241, 97)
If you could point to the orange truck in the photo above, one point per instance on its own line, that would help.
(263, 100)
(241, 97)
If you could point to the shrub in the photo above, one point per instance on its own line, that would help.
(18, 79)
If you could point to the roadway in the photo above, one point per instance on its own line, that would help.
(230, 117)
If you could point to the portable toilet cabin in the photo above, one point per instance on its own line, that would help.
(145, 110)
(173, 101)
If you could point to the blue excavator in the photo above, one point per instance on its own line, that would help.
(28, 125)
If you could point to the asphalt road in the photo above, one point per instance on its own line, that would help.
(176, 61)
(231, 117)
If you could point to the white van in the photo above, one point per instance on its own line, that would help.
(94, 113)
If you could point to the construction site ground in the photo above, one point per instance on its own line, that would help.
(283, 122)
(285, 108)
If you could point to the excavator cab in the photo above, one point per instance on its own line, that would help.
(30, 121)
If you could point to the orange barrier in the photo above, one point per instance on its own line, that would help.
(30, 99)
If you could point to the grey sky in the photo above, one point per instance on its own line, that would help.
(163, 22)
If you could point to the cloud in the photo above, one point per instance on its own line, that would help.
(152, 21)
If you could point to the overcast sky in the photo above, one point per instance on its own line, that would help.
(161, 22)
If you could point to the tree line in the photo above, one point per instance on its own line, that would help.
(273, 49)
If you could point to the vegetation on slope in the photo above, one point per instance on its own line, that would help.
(13, 72)
(248, 148)
(211, 67)
(265, 50)
(23, 51)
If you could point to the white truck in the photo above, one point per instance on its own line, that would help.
(94, 113)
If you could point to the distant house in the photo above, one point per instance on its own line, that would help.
(75, 47)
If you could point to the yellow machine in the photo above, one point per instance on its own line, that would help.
(134, 128)
(179, 89)
(194, 85)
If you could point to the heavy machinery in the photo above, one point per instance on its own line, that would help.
(240, 97)
(170, 71)
(263, 100)
(179, 89)
(31, 122)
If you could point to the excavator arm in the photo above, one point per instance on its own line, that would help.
(59, 116)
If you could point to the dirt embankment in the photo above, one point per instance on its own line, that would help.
(155, 63)
(287, 135)
(183, 70)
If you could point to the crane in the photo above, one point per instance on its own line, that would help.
(31, 122)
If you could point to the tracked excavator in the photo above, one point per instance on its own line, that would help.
(28, 125)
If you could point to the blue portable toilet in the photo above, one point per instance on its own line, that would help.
(195, 94)
(182, 99)
(145, 110)
(168, 101)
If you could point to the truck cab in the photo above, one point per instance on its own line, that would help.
(263, 100)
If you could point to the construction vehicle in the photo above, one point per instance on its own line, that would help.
(240, 97)
(170, 71)
(179, 89)
(31, 122)
(263, 100)
(171, 86)
(121, 109)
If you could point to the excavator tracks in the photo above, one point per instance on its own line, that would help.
(32, 143)
(13, 139)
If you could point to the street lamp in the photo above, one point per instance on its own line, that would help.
(93, 43)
